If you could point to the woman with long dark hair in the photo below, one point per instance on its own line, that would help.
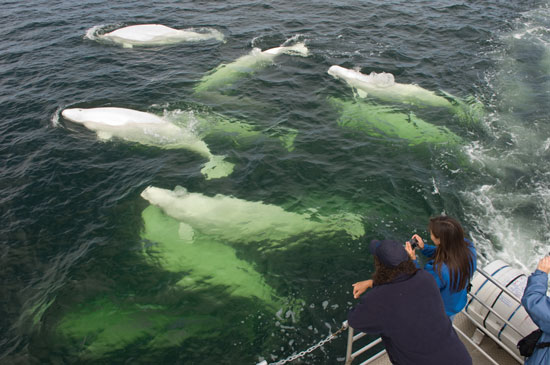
(452, 261)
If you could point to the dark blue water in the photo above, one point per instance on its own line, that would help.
(76, 285)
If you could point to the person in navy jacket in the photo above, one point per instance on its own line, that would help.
(537, 305)
(404, 307)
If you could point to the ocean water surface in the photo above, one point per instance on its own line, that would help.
(257, 264)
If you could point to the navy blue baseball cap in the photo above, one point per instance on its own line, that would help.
(390, 253)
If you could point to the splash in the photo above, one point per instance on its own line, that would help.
(509, 210)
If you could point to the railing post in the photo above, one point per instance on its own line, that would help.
(349, 349)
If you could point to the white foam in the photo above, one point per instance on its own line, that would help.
(93, 32)
(55, 117)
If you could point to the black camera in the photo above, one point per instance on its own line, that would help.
(414, 243)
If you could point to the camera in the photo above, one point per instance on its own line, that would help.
(414, 243)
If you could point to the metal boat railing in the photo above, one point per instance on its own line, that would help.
(351, 355)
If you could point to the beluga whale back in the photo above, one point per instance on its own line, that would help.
(383, 86)
(148, 129)
(154, 35)
(235, 220)
(247, 64)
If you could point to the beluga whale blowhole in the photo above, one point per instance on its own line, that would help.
(153, 35)
(148, 129)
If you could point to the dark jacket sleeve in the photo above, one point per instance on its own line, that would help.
(365, 317)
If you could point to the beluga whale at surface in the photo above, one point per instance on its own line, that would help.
(234, 220)
(228, 73)
(153, 35)
(383, 86)
(148, 129)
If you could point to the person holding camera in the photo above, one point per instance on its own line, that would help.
(537, 304)
(452, 261)
(405, 308)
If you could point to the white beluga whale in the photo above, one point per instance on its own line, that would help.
(231, 219)
(383, 86)
(247, 64)
(153, 35)
(148, 129)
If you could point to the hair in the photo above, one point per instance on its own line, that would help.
(452, 250)
(386, 274)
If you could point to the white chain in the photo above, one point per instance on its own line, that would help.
(312, 348)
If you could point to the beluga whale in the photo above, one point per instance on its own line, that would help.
(382, 86)
(388, 122)
(228, 73)
(153, 35)
(234, 220)
(205, 261)
(148, 129)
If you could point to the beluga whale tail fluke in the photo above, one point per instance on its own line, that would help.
(382, 86)
(148, 129)
(226, 74)
(152, 35)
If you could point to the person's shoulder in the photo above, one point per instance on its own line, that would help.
(422, 274)
(471, 246)
(426, 278)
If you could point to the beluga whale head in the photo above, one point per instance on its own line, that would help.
(75, 115)
(341, 72)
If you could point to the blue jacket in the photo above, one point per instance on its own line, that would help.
(537, 305)
(408, 314)
(454, 301)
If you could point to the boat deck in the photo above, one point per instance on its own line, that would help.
(497, 353)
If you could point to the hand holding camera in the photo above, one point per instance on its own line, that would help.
(414, 243)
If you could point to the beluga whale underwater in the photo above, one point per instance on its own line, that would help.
(146, 35)
(382, 86)
(203, 261)
(226, 74)
(147, 129)
(206, 122)
(208, 277)
(387, 121)
(99, 327)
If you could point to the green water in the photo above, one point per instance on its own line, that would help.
(93, 273)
